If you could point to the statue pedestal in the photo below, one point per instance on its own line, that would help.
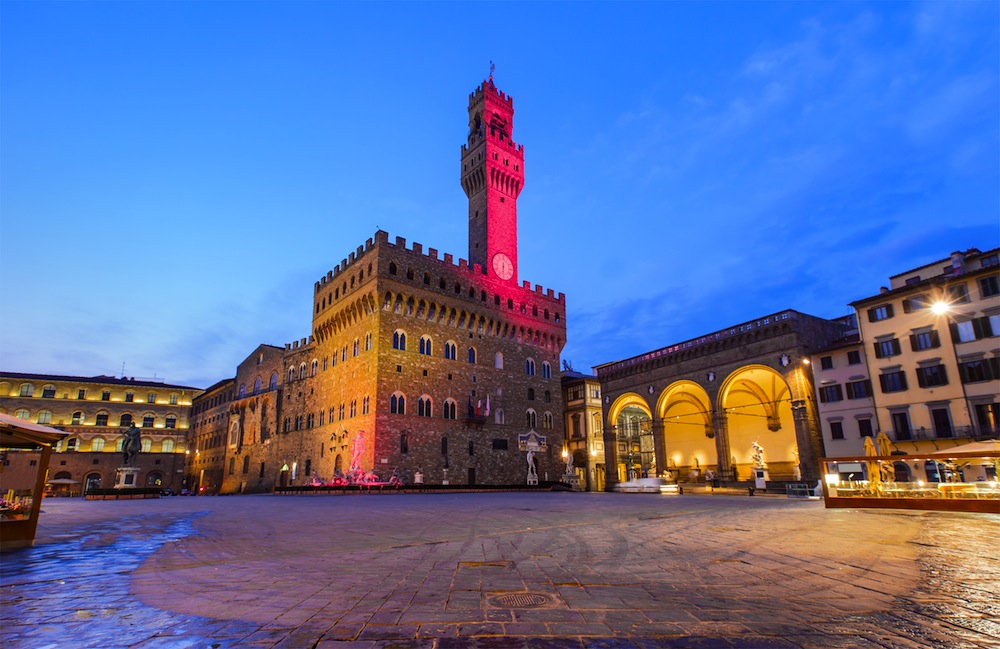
(573, 480)
(760, 477)
(126, 477)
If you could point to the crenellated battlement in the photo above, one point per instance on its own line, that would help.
(487, 90)
(473, 272)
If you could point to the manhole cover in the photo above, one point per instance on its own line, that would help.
(521, 600)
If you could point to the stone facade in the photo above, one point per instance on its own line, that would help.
(442, 365)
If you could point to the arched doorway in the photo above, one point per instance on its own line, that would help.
(632, 423)
(154, 479)
(757, 406)
(685, 414)
(92, 481)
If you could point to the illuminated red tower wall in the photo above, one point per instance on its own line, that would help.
(492, 177)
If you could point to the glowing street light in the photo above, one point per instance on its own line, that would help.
(940, 308)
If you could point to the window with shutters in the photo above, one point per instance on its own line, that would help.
(925, 340)
(859, 389)
(887, 348)
(931, 376)
(984, 369)
(893, 381)
(830, 393)
(882, 312)
(915, 303)
(854, 357)
(942, 422)
(958, 294)
(989, 286)
(901, 426)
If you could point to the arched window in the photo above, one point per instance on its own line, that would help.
(97, 445)
(77, 419)
(498, 361)
(425, 345)
(404, 443)
(427, 279)
(530, 420)
(154, 479)
(242, 390)
(399, 340)
(257, 385)
(397, 404)
(546, 370)
(450, 350)
(147, 421)
(364, 406)
(424, 406)
(125, 420)
(450, 409)
(547, 421)
(392, 268)
(529, 367)
(101, 419)
(273, 385)
(368, 341)
(302, 370)
(313, 367)
(44, 417)
(354, 407)
(548, 397)
(48, 391)
(167, 446)
(21, 413)
(27, 390)
(357, 347)
(472, 355)
(246, 464)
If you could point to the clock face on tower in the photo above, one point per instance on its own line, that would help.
(502, 266)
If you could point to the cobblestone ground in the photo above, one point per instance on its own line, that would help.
(499, 571)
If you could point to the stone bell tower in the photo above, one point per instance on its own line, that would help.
(492, 177)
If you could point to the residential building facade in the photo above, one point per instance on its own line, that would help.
(584, 429)
(95, 411)
(932, 345)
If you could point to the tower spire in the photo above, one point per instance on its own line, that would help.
(492, 177)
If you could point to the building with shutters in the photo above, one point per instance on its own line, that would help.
(931, 341)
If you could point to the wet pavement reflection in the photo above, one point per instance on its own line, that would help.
(441, 572)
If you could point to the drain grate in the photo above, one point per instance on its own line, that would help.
(521, 600)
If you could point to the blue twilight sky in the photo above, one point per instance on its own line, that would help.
(176, 175)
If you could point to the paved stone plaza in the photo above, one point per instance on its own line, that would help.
(500, 571)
